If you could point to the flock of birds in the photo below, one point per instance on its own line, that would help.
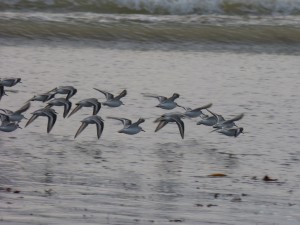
(10, 119)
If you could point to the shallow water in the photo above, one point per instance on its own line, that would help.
(152, 178)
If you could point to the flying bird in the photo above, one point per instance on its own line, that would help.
(129, 127)
(112, 101)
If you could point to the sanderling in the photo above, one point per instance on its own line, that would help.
(129, 127)
(169, 118)
(7, 125)
(164, 102)
(233, 132)
(112, 101)
(16, 115)
(9, 82)
(68, 90)
(193, 113)
(61, 102)
(92, 120)
(89, 102)
(48, 112)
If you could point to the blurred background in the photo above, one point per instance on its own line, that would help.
(241, 56)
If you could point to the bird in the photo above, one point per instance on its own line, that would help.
(43, 97)
(61, 102)
(70, 91)
(169, 118)
(9, 82)
(48, 112)
(7, 125)
(233, 132)
(91, 120)
(129, 127)
(89, 102)
(193, 113)
(164, 102)
(17, 115)
(112, 101)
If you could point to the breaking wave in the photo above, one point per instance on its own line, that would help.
(159, 7)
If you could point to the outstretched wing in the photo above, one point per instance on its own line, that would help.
(202, 107)
(108, 95)
(7, 112)
(75, 110)
(121, 95)
(180, 125)
(100, 127)
(140, 120)
(67, 107)
(161, 124)
(81, 128)
(51, 121)
(126, 122)
(159, 97)
(72, 92)
(23, 108)
(236, 118)
(219, 118)
(34, 116)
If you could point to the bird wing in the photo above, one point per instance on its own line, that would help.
(180, 125)
(31, 119)
(51, 121)
(100, 127)
(219, 118)
(75, 110)
(202, 107)
(126, 122)
(161, 124)
(108, 95)
(96, 105)
(159, 97)
(81, 128)
(140, 120)
(7, 112)
(236, 118)
(23, 108)
(67, 107)
(121, 95)
(72, 92)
